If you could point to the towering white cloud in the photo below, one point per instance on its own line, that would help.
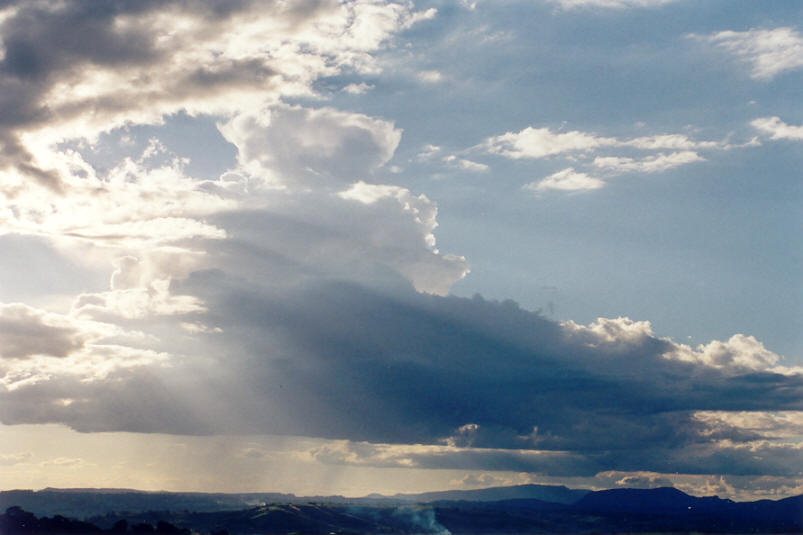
(297, 147)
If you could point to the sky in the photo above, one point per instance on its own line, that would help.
(362, 246)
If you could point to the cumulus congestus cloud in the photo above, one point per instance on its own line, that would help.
(304, 291)
(304, 202)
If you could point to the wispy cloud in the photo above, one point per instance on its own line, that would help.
(534, 143)
(578, 147)
(768, 52)
(651, 164)
(431, 76)
(464, 164)
(566, 180)
(610, 4)
(15, 458)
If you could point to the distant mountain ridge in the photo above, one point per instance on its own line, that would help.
(470, 512)
(83, 503)
(547, 493)
(669, 501)
(663, 499)
(663, 510)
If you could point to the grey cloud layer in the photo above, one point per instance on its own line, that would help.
(26, 332)
(88, 67)
(339, 360)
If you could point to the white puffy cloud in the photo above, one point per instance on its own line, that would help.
(431, 77)
(321, 210)
(465, 165)
(777, 129)
(540, 142)
(609, 332)
(769, 52)
(135, 204)
(566, 180)
(298, 147)
(350, 234)
(738, 353)
(357, 89)
(578, 148)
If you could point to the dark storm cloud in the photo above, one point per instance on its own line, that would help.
(26, 332)
(40, 42)
(46, 48)
(350, 362)
(338, 360)
(140, 402)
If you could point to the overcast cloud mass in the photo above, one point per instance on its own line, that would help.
(552, 241)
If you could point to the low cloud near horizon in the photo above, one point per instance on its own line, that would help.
(487, 384)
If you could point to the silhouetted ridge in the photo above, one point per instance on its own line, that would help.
(664, 499)
(16, 521)
(547, 493)
(662, 510)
